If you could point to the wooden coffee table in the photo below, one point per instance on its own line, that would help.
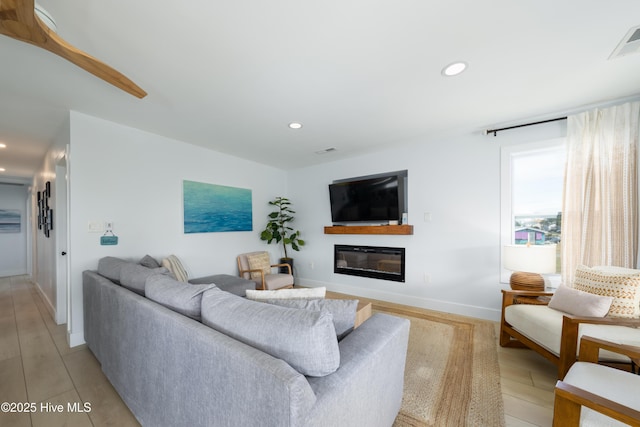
(363, 312)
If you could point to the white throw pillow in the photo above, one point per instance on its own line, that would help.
(173, 264)
(304, 293)
(579, 303)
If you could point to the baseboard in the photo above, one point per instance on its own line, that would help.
(427, 303)
(75, 340)
(47, 303)
(10, 273)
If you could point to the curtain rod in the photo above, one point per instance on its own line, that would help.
(495, 131)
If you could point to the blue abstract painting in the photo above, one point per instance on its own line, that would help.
(210, 208)
(9, 221)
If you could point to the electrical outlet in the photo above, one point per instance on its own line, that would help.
(312, 265)
(427, 217)
(427, 278)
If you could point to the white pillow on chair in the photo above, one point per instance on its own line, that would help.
(580, 303)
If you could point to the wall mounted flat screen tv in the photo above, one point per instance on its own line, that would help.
(374, 199)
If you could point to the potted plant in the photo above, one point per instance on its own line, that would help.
(279, 230)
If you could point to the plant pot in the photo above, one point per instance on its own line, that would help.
(286, 261)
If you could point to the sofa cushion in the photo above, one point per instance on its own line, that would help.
(305, 339)
(173, 264)
(579, 303)
(134, 276)
(149, 262)
(259, 261)
(543, 325)
(233, 284)
(299, 293)
(612, 384)
(178, 296)
(110, 267)
(343, 311)
(621, 284)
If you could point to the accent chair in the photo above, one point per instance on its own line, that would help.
(257, 267)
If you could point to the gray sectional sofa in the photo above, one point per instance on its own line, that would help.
(235, 367)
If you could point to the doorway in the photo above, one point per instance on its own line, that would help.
(62, 242)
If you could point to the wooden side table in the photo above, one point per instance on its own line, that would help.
(542, 300)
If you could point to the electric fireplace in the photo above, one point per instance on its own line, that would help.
(370, 261)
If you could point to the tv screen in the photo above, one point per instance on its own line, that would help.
(375, 199)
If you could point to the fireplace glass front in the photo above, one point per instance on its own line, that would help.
(370, 261)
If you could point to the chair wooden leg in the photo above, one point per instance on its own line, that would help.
(565, 412)
(505, 338)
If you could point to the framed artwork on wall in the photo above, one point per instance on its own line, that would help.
(45, 214)
(10, 221)
(210, 208)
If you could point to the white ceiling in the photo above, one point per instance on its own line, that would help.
(360, 75)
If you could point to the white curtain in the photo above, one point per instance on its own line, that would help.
(600, 202)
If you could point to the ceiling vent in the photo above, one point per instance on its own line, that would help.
(629, 44)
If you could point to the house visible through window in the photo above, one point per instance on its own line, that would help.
(532, 185)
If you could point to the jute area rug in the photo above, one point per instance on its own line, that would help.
(452, 376)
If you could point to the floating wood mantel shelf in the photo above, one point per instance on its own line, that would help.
(369, 229)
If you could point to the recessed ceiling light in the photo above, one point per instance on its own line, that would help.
(3, 145)
(295, 125)
(454, 69)
(2, 169)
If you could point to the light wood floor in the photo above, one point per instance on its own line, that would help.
(37, 366)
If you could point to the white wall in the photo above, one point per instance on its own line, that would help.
(44, 248)
(134, 179)
(456, 179)
(13, 246)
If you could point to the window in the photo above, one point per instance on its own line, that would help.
(531, 187)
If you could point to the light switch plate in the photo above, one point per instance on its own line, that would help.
(95, 227)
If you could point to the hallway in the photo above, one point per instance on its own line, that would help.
(37, 365)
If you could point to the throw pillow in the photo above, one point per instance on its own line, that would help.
(622, 285)
(305, 339)
(579, 303)
(149, 262)
(134, 276)
(110, 267)
(259, 261)
(173, 264)
(300, 293)
(343, 311)
(177, 296)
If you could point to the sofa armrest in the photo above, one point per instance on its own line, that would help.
(590, 349)
(367, 387)
(569, 399)
(569, 336)
(509, 296)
